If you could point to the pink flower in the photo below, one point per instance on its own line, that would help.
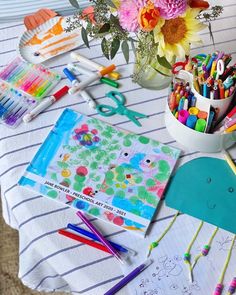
(128, 14)
(171, 8)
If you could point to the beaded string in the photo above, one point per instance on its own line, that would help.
(205, 249)
(156, 243)
(187, 255)
(220, 286)
(232, 287)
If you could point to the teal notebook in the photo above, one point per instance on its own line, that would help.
(111, 174)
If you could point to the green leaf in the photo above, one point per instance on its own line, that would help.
(125, 50)
(164, 62)
(105, 28)
(115, 45)
(104, 46)
(85, 36)
(74, 3)
(110, 3)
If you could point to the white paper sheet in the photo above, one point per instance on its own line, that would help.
(168, 274)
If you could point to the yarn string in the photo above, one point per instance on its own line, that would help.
(187, 255)
(220, 286)
(156, 243)
(205, 249)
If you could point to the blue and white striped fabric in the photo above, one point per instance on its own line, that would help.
(49, 261)
(14, 10)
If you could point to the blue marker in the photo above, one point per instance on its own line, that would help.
(95, 238)
(191, 121)
(181, 104)
(206, 90)
(193, 101)
(70, 76)
(210, 62)
(228, 82)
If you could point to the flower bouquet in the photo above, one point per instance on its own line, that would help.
(158, 31)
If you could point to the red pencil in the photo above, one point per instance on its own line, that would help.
(83, 240)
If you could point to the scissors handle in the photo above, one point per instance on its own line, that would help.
(105, 110)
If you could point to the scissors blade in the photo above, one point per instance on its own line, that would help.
(132, 116)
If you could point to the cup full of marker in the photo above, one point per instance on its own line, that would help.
(199, 99)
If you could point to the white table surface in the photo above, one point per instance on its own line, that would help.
(48, 261)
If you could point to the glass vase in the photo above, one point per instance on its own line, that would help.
(150, 74)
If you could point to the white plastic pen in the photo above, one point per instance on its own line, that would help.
(93, 64)
(91, 79)
(47, 102)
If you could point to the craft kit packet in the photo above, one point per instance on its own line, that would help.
(104, 171)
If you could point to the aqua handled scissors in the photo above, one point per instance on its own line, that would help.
(107, 110)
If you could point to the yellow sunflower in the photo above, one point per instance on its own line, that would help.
(175, 35)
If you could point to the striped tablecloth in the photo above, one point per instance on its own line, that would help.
(48, 261)
(14, 10)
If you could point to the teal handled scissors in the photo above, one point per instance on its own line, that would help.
(119, 99)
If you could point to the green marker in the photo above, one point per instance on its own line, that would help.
(43, 88)
(200, 125)
(109, 82)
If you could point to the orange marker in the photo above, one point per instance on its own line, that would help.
(80, 86)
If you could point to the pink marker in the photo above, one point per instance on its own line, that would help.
(183, 116)
(230, 123)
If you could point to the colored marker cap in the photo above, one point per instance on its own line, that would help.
(191, 121)
(202, 115)
(63, 91)
(183, 116)
(109, 82)
(193, 111)
(200, 125)
(107, 70)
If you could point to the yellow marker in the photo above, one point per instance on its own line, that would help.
(226, 93)
(213, 68)
(177, 97)
(196, 85)
(230, 161)
(176, 115)
(231, 129)
(193, 111)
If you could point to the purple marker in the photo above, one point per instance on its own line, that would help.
(11, 67)
(129, 277)
(103, 240)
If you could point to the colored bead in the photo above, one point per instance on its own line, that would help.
(154, 245)
(205, 250)
(187, 257)
(218, 289)
(232, 287)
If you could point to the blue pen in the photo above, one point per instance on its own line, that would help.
(95, 238)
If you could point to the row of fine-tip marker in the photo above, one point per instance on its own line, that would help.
(35, 80)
